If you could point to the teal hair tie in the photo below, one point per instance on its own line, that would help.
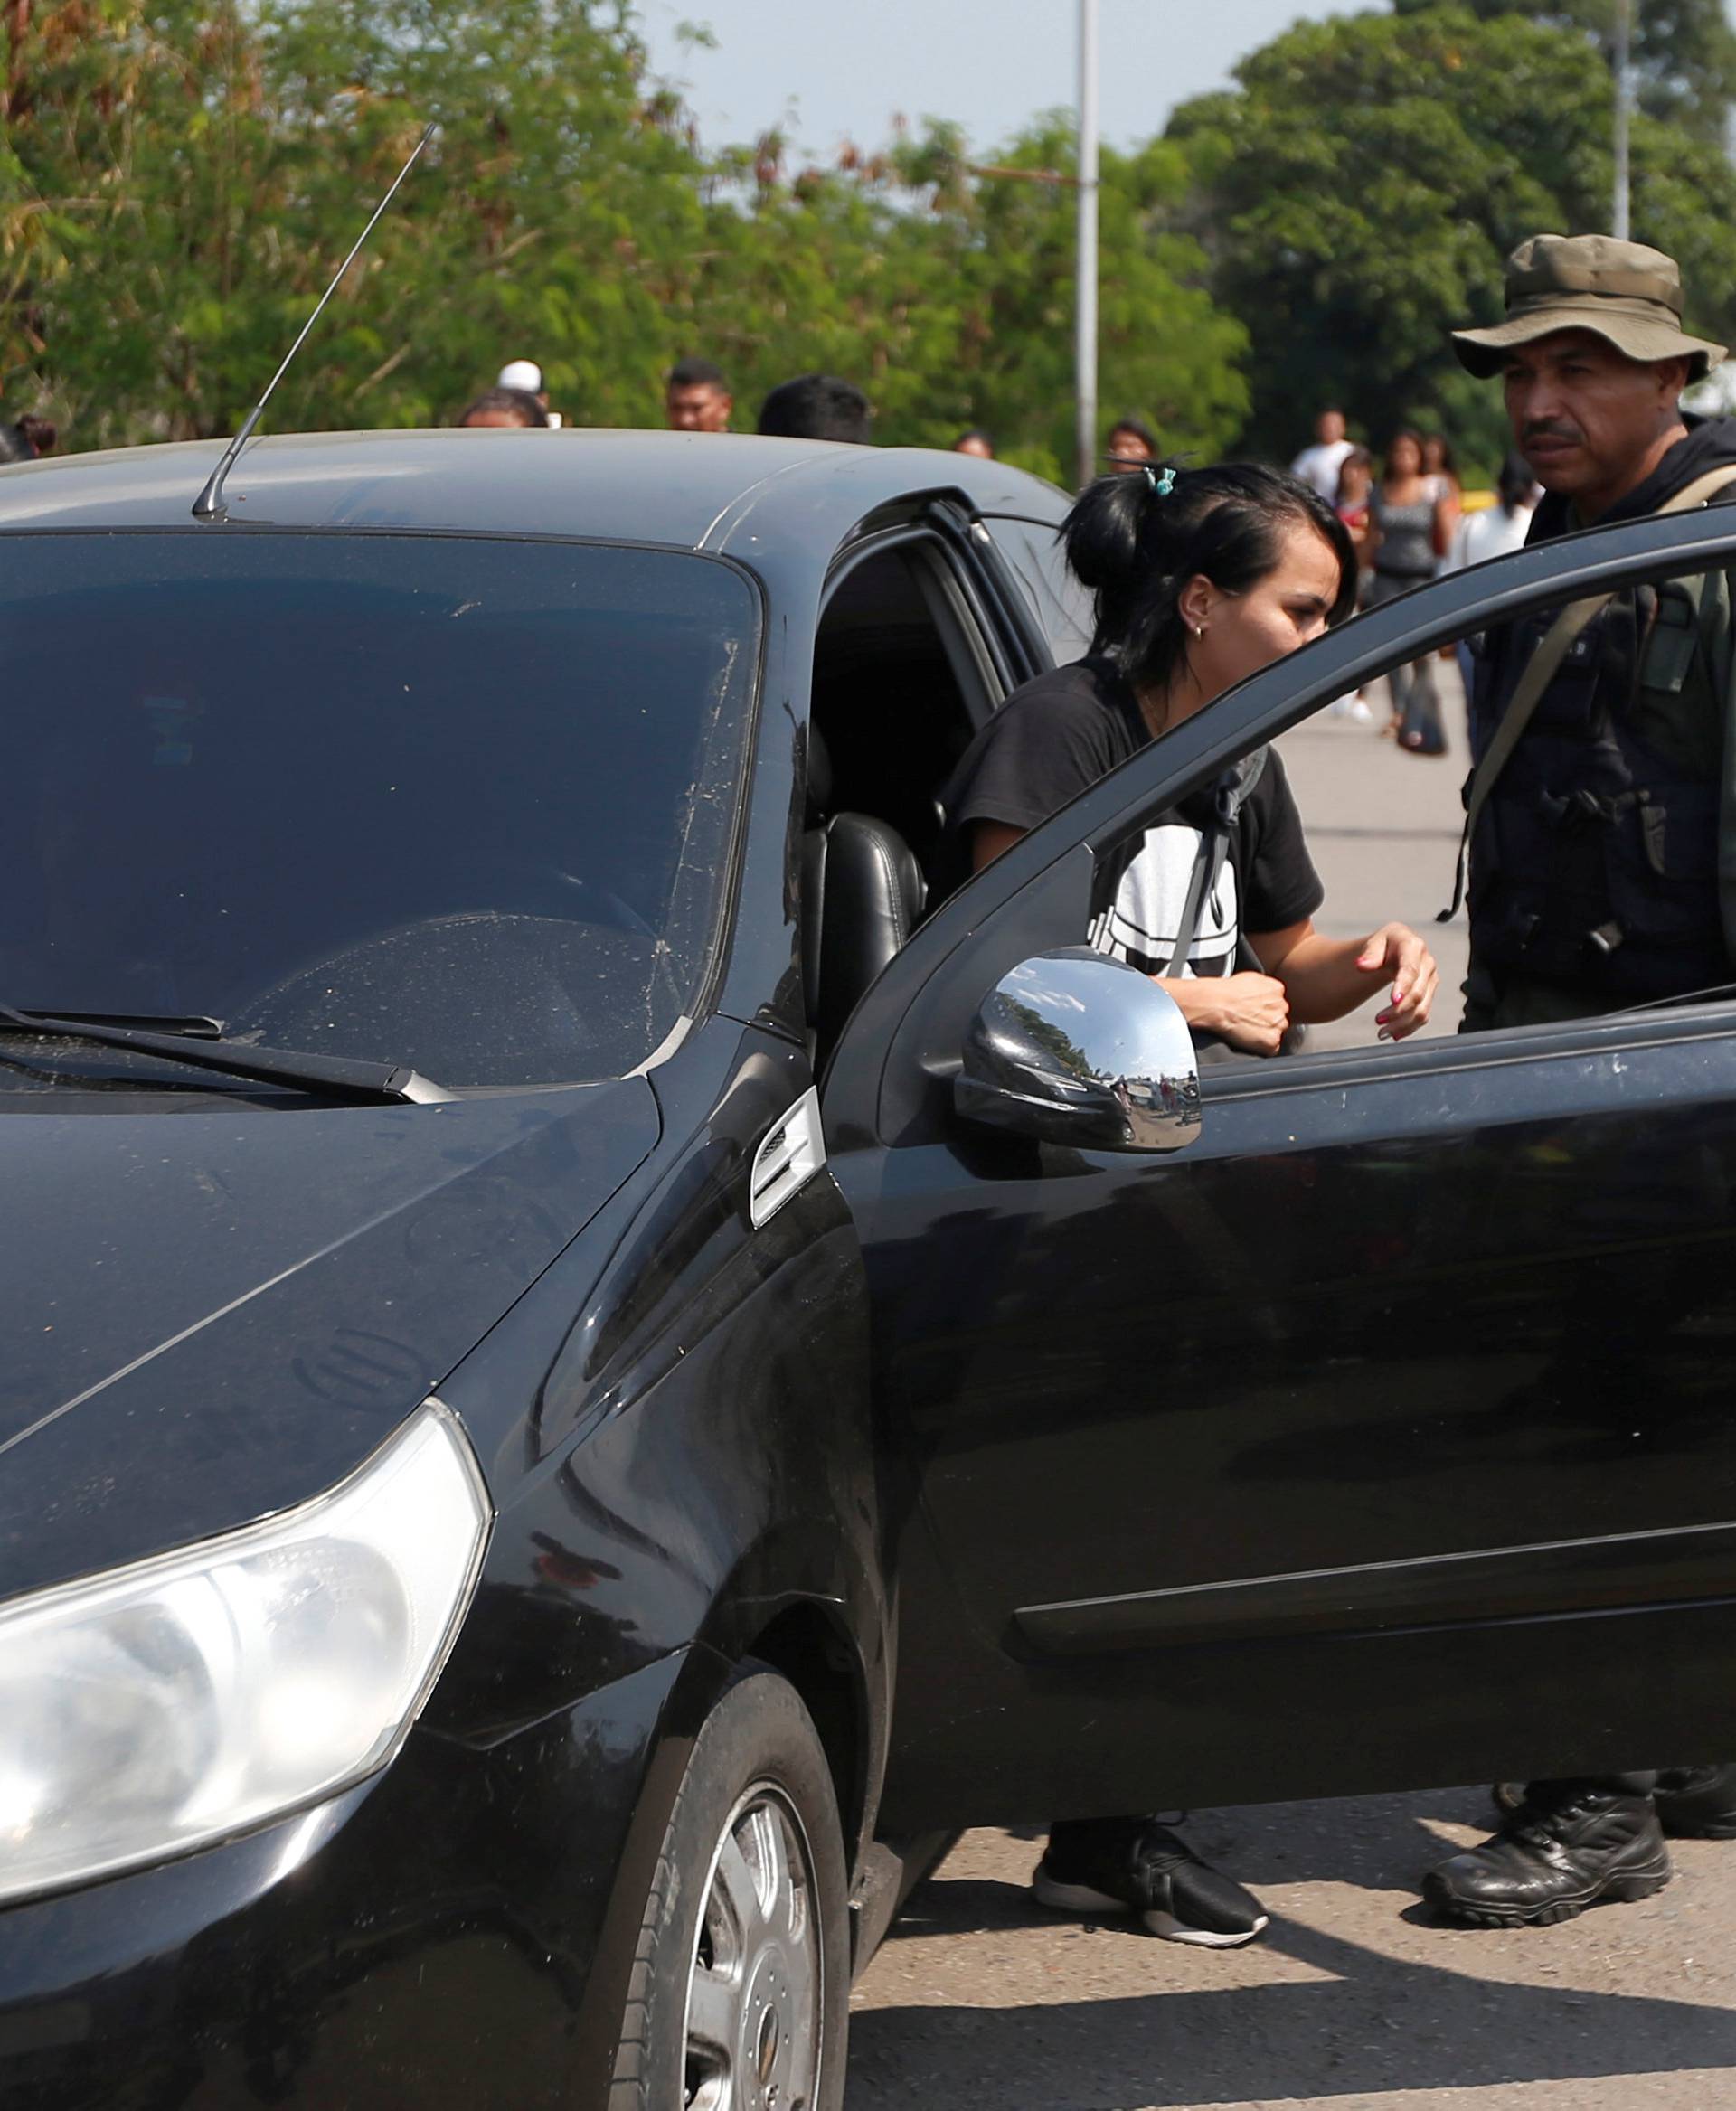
(1162, 485)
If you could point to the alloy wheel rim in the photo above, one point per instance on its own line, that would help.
(755, 1984)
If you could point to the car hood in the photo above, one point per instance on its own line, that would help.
(215, 1314)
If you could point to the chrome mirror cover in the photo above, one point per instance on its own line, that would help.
(1074, 1048)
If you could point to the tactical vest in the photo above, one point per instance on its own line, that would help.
(1595, 859)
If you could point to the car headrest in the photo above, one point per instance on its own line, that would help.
(819, 774)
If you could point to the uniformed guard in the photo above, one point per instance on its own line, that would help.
(1601, 831)
(1605, 779)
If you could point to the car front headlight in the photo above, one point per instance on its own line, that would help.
(163, 1706)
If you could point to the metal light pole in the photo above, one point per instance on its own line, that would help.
(1085, 318)
(1618, 208)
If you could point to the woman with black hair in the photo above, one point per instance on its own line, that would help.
(1201, 579)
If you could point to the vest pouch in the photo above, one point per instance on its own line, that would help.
(1662, 893)
(1544, 885)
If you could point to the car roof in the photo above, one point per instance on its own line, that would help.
(694, 490)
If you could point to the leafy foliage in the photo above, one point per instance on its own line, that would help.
(1682, 53)
(180, 180)
(1361, 187)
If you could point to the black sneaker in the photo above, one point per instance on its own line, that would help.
(1134, 1865)
(1693, 1802)
(1553, 1858)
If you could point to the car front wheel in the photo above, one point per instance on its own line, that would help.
(740, 1996)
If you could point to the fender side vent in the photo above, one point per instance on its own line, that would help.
(789, 1158)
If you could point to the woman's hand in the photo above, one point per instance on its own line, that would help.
(1395, 950)
(1250, 1012)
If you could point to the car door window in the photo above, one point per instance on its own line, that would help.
(907, 665)
(1062, 607)
(1412, 1359)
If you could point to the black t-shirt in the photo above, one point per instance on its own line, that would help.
(1074, 725)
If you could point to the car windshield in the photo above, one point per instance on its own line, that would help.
(458, 803)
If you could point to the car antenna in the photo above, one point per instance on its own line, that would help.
(209, 504)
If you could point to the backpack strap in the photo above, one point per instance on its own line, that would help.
(1539, 670)
(1228, 796)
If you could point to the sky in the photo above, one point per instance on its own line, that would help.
(842, 69)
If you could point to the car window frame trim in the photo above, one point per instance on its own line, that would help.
(902, 1041)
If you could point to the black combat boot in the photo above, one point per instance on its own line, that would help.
(1571, 1844)
(1693, 1802)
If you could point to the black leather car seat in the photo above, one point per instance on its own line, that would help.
(862, 895)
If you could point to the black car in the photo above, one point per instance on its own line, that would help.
(584, 1380)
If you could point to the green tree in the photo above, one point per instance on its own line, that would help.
(1166, 352)
(1360, 186)
(179, 178)
(1682, 52)
(180, 182)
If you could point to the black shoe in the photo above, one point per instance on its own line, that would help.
(1133, 1865)
(1553, 1858)
(1693, 1802)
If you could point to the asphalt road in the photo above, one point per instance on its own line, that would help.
(1356, 1997)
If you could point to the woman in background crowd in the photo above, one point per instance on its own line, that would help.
(1409, 519)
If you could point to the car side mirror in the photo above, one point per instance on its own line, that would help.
(1074, 1048)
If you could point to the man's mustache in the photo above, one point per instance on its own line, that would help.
(1544, 429)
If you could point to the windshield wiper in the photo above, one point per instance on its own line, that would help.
(191, 1023)
(202, 1043)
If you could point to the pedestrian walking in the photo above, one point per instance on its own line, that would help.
(1492, 531)
(1319, 464)
(1408, 522)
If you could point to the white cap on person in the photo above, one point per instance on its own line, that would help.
(521, 374)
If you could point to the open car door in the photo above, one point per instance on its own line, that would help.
(1382, 1437)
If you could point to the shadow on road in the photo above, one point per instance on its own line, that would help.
(1359, 2023)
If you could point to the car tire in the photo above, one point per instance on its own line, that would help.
(739, 1992)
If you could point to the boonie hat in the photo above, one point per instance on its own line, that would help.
(1624, 292)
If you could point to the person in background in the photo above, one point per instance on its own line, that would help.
(1319, 464)
(697, 397)
(1356, 480)
(1492, 532)
(526, 374)
(1130, 445)
(1350, 500)
(975, 442)
(38, 434)
(817, 406)
(503, 408)
(1408, 520)
(1440, 468)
